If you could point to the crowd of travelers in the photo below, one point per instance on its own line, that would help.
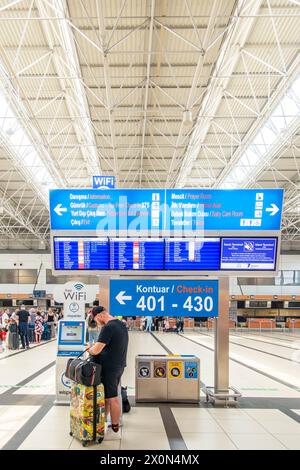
(22, 327)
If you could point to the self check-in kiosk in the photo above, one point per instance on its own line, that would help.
(71, 342)
(71, 331)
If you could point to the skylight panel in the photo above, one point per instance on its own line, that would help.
(270, 134)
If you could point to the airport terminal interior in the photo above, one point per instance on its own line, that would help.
(150, 164)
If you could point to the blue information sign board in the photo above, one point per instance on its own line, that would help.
(219, 209)
(108, 210)
(189, 210)
(190, 298)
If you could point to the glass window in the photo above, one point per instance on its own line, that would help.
(27, 276)
(8, 276)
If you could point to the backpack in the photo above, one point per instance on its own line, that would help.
(125, 402)
(13, 328)
(91, 322)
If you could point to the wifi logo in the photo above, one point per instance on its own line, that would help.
(78, 286)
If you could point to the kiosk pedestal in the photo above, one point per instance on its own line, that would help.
(71, 343)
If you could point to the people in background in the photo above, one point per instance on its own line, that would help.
(5, 319)
(51, 320)
(38, 327)
(149, 323)
(31, 325)
(14, 315)
(166, 324)
(23, 319)
(93, 327)
(32, 314)
(180, 325)
(143, 323)
(156, 323)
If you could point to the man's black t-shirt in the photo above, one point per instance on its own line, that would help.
(23, 316)
(115, 335)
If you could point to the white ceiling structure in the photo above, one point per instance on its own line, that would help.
(160, 93)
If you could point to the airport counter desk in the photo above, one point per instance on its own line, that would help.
(293, 323)
(261, 323)
(167, 378)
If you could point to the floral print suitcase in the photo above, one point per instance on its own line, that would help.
(87, 413)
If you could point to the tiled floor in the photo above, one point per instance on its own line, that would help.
(13, 418)
(269, 417)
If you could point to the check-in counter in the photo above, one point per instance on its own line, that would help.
(189, 322)
(167, 378)
(261, 323)
(211, 323)
(293, 323)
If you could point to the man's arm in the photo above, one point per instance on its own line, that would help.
(97, 348)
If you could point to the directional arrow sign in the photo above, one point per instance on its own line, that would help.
(136, 212)
(273, 209)
(59, 209)
(189, 298)
(121, 297)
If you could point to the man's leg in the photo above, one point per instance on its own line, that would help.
(107, 407)
(115, 411)
(21, 333)
(27, 339)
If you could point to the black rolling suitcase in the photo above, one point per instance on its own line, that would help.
(13, 340)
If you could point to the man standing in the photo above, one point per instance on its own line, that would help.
(110, 351)
(149, 324)
(22, 318)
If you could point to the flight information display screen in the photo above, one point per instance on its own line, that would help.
(249, 254)
(87, 253)
(192, 254)
(137, 254)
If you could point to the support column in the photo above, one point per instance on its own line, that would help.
(222, 339)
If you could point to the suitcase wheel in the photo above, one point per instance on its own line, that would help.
(100, 440)
(71, 434)
(85, 443)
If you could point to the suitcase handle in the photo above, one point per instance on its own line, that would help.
(86, 350)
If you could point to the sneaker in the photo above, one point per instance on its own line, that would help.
(110, 435)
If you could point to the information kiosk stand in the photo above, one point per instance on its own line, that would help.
(71, 343)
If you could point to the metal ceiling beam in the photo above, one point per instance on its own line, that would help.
(236, 36)
(13, 210)
(198, 71)
(104, 42)
(147, 85)
(13, 93)
(75, 95)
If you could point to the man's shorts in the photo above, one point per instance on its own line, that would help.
(111, 379)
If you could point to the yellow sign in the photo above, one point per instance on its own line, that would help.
(175, 369)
